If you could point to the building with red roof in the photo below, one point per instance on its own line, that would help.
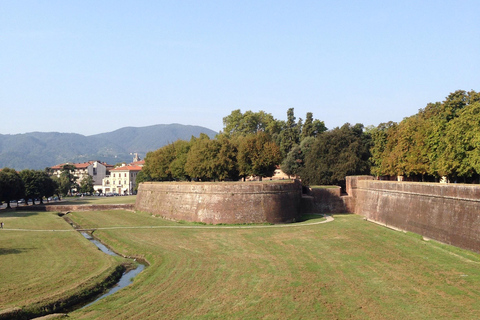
(97, 169)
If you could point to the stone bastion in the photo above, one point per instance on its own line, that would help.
(222, 202)
(449, 213)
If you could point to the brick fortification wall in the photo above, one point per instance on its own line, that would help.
(449, 213)
(223, 202)
(330, 199)
(323, 200)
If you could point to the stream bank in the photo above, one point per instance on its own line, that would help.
(120, 277)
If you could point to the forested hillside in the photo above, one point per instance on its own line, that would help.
(38, 150)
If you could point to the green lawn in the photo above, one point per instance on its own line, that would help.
(344, 269)
(97, 200)
(43, 260)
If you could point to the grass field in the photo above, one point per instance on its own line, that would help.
(43, 260)
(344, 269)
(98, 200)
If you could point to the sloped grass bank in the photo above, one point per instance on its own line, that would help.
(98, 200)
(46, 266)
(345, 269)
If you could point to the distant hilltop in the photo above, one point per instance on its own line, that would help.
(38, 150)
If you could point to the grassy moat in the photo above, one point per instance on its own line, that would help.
(344, 269)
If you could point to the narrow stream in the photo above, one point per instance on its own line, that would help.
(126, 278)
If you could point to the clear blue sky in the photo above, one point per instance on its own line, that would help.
(95, 66)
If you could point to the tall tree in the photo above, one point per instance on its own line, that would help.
(226, 164)
(312, 127)
(295, 159)
(11, 186)
(31, 183)
(462, 144)
(157, 163)
(48, 185)
(430, 143)
(336, 154)
(67, 180)
(177, 166)
(258, 155)
(201, 159)
(86, 185)
(289, 136)
(380, 137)
(249, 122)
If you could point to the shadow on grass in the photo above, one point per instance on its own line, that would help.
(13, 251)
(12, 213)
(71, 202)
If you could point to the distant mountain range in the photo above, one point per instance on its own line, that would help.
(38, 150)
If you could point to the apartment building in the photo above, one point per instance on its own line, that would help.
(122, 179)
(98, 170)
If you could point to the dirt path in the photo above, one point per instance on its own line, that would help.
(290, 225)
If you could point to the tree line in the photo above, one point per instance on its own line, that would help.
(441, 140)
(255, 144)
(39, 184)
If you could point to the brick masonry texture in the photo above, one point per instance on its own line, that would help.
(449, 213)
(323, 200)
(222, 202)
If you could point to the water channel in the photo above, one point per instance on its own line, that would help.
(126, 278)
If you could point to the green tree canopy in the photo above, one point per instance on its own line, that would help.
(38, 184)
(258, 155)
(86, 185)
(312, 127)
(177, 166)
(462, 144)
(238, 123)
(290, 135)
(11, 186)
(336, 154)
(295, 159)
(31, 183)
(201, 159)
(440, 140)
(157, 163)
(67, 181)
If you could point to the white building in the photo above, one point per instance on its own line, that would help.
(98, 170)
(121, 179)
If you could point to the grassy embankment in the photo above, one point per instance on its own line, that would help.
(345, 269)
(97, 200)
(45, 262)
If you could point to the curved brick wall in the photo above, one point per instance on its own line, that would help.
(223, 202)
(449, 213)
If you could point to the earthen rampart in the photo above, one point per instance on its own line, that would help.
(59, 207)
(223, 202)
(449, 213)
